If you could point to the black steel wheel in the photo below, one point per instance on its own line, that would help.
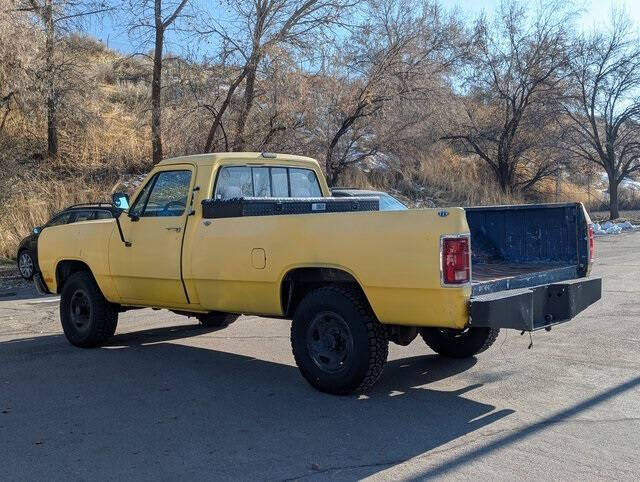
(80, 310)
(330, 342)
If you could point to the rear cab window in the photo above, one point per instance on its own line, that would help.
(260, 181)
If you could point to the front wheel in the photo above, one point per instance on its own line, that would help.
(338, 344)
(26, 264)
(88, 319)
(459, 343)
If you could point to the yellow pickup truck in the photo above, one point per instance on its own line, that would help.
(218, 235)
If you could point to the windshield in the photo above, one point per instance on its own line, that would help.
(389, 203)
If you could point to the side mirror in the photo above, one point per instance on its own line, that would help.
(120, 200)
(37, 230)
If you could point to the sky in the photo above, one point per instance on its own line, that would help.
(595, 11)
(112, 33)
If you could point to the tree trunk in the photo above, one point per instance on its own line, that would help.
(328, 167)
(333, 170)
(613, 197)
(249, 94)
(156, 90)
(52, 100)
(217, 122)
(504, 177)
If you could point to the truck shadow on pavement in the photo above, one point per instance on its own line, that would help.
(147, 408)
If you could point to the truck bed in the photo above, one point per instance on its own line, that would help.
(528, 245)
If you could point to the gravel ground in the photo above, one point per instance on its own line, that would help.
(10, 279)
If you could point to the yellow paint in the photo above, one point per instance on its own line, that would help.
(258, 258)
(394, 255)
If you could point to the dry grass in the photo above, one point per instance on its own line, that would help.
(445, 179)
(91, 163)
(32, 202)
(461, 181)
(434, 179)
(88, 169)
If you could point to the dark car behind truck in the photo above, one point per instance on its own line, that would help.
(27, 254)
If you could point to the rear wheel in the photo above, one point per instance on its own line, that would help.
(216, 319)
(88, 319)
(459, 343)
(337, 343)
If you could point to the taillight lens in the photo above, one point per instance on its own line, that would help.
(455, 261)
(591, 250)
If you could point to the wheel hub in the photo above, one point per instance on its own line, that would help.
(329, 341)
(25, 264)
(80, 308)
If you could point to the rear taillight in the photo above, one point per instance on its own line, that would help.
(456, 267)
(591, 253)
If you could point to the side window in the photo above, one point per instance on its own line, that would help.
(169, 194)
(82, 216)
(234, 182)
(59, 220)
(164, 195)
(304, 183)
(141, 201)
(103, 215)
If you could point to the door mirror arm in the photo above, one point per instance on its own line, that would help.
(124, 241)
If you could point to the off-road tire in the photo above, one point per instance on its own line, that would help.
(217, 320)
(370, 345)
(459, 343)
(101, 319)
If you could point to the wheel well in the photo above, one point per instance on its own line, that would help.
(65, 269)
(300, 281)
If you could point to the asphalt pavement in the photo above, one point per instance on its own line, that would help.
(167, 399)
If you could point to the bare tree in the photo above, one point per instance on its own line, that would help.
(150, 20)
(604, 107)
(263, 25)
(16, 59)
(397, 57)
(513, 83)
(58, 17)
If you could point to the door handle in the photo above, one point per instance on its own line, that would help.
(177, 229)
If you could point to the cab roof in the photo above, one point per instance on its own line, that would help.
(267, 158)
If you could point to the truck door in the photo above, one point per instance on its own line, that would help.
(149, 271)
